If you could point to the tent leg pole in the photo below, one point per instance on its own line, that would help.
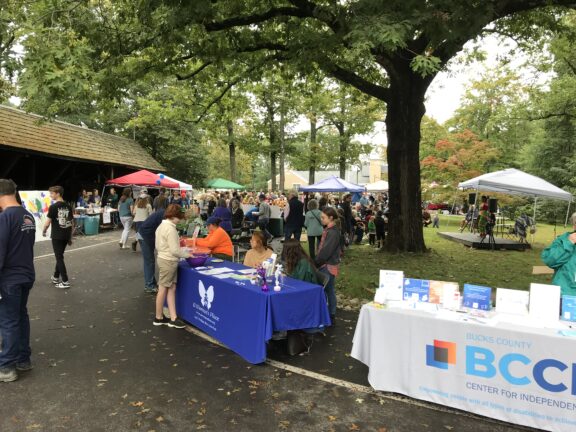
(534, 218)
(475, 210)
(567, 213)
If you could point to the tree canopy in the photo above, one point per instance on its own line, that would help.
(388, 50)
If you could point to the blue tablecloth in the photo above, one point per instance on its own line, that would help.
(241, 315)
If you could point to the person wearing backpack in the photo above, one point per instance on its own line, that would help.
(314, 227)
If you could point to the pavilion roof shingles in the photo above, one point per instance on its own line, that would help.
(29, 132)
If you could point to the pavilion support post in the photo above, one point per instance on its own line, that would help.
(567, 214)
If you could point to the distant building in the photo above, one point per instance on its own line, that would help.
(37, 154)
(370, 171)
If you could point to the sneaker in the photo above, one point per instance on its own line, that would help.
(63, 285)
(177, 323)
(24, 366)
(151, 290)
(134, 246)
(120, 244)
(55, 280)
(8, 375)
(162, 321)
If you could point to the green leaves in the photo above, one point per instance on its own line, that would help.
(425, 65)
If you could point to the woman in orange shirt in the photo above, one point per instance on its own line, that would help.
(217, 240)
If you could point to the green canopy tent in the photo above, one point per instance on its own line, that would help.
(220, 183)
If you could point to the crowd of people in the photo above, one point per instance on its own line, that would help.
(156, 224)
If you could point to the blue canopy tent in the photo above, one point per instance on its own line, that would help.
(333, 184)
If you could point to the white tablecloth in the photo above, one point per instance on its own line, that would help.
(499, 371)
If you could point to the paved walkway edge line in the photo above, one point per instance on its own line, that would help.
(77, 249)
(346, 384)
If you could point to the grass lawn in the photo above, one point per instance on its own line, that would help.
(447, 261)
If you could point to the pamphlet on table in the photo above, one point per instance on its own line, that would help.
(477, 297)
(569, 308)
(512, 301)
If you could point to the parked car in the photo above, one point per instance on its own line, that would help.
(438, 206)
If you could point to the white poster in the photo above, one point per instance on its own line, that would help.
(545, 302)
(37, 203)
(390, 287)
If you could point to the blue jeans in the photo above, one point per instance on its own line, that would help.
(149, 264)
(263, 225)
(14, 325)
(330, 291)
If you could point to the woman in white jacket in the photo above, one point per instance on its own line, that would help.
(169, 253)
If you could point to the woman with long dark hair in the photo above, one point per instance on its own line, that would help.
(297, 264)
(328, 255)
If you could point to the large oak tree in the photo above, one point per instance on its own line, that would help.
(390, 50)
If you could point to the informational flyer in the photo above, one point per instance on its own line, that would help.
(569, 308)
(390, 286)
(436, 290)
(477, 297)
(451, 295)
(416, 289)
(544, 302)
(512, 301)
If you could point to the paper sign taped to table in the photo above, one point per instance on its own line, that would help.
(390, 286)
(512, 301)
(106, 219)
(544, 302)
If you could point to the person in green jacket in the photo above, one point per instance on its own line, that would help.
(561, 256)
(297, 264)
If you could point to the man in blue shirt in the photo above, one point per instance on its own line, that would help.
(17, 234)
(147, 239)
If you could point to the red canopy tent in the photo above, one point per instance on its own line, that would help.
(143, 178)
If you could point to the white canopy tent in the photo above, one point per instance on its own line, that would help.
(515, 182)
(378, 186)
(183, 186)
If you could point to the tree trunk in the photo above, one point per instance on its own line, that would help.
(273, 170)
(232, 149)
(281, 167)
(342, 150)
(313, 149)
(405, 110)
(272, 139)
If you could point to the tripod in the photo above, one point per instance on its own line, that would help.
(490, 233)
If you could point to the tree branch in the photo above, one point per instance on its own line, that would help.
(193, 73)
(254, 18)
(223, 93)
(570, 65)
(355, 80)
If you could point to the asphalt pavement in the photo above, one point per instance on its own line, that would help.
(100, 365)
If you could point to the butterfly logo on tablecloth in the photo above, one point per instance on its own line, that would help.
(206, 295)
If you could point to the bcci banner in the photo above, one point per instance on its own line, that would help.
(519, 375)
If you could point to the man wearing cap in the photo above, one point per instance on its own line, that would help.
(17, 275)
(264, 214)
